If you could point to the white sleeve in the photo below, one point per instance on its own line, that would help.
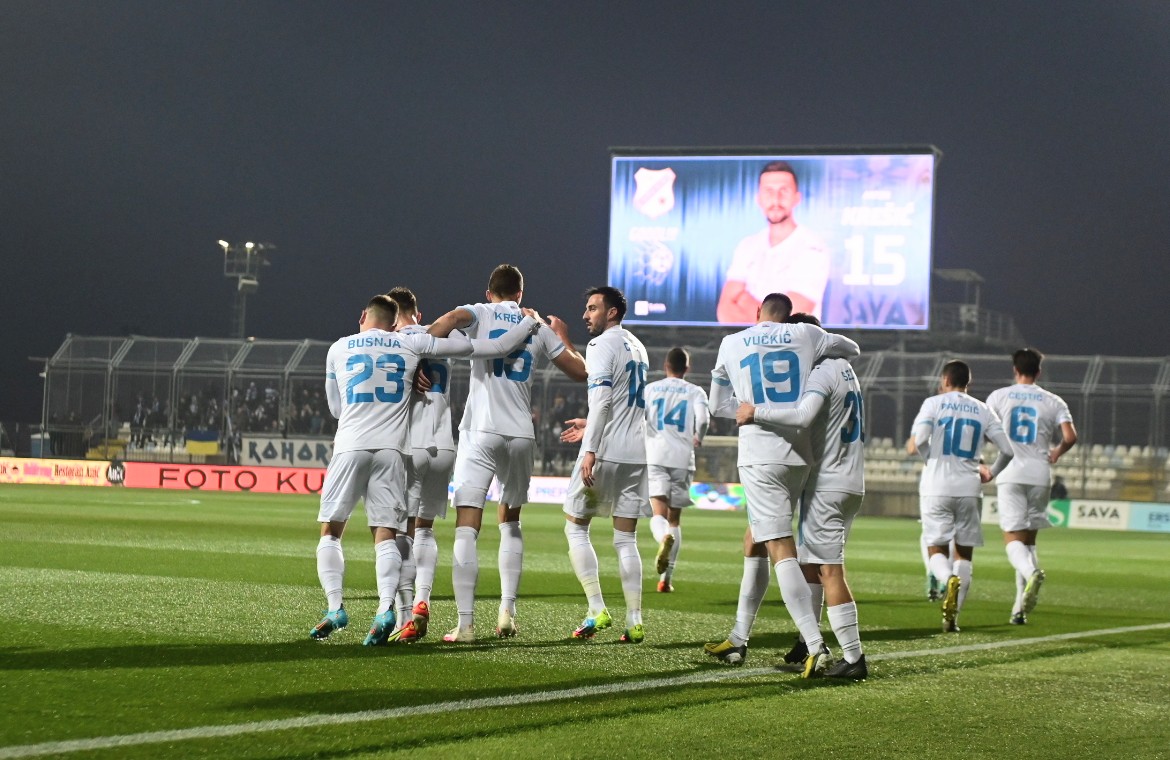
(922, 429)
(834, 346)
(996, 435)
(741, 265)
(332, 391)
(801, 417)
(702, 414)
(723, 402)
(550, 343)
(459, 345)
(600, 384)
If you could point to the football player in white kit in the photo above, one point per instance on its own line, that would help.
(1033, 419)
(676, 423)
(768, 365)
(496, 438)
(367, 384)
(832, 408)
(432, 443)
(609, 477)
(949, 432)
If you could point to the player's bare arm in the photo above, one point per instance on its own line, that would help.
(1068, 434)
(570, 361)
(456, 319)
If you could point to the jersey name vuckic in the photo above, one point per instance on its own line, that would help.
(1032, 417)
(959, 426)
(616, 363)
(675, 410)
(499, 397)
(767, 365)
(838, 444)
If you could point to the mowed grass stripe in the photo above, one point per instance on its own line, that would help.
(512, 700)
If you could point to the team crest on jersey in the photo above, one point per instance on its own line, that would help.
(654, 195)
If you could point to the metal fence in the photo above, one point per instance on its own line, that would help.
(146, 398)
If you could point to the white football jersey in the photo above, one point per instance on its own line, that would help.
(372, 372)
(430, 413)
(838, 435)
(617, 366)
(959, 424)
(1032, 418)
(675, 411)
(499, 399)
(768, 365)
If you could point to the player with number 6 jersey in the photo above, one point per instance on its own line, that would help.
(1034, 419)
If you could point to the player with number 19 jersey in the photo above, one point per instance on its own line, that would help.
(767, 365)
(959, 425)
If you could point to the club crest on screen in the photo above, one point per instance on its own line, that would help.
(654, 195)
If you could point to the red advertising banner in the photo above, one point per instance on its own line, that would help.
(207, 477)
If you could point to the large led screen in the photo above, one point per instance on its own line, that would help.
(699, 238)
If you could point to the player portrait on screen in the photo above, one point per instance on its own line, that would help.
(783, 257)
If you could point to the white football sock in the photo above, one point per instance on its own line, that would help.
(1035, 558)
(331, 570)
(426, 557)
(925, 551)
(798, 599)
(630, 566)
(675, 531)
(1021, 584)
(405, 595)
(752, 587)
(1021, 558)
(659, 527)
(963, 569)
(941, 568)
(511, 562)
(583, 558)
(465, 574)
(818, 599)
(387, 568)
(843, 620)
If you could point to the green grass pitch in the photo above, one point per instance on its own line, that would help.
(131, 612)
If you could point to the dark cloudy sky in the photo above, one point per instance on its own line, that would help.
(422, 143)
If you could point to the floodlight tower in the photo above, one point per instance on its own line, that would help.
(242, 262)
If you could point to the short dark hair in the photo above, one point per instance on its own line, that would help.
(803, 318)
(611, 297)
(776, 305)
(383, 309)
(1026, 362)
(404, 297)
(506, 280)
(957, 374)
(781, 166)
(677, 359)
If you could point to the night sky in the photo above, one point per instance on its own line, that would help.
(379, 144)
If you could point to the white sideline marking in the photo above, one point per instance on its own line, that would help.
(366, 716)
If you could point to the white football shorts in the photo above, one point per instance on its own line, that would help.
(1022, 507)
(378, 476)
(951, 517)
(484, 455)
(825, 520)
(620, 489)
(771, 490)
(428, 482)
(672, 484)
